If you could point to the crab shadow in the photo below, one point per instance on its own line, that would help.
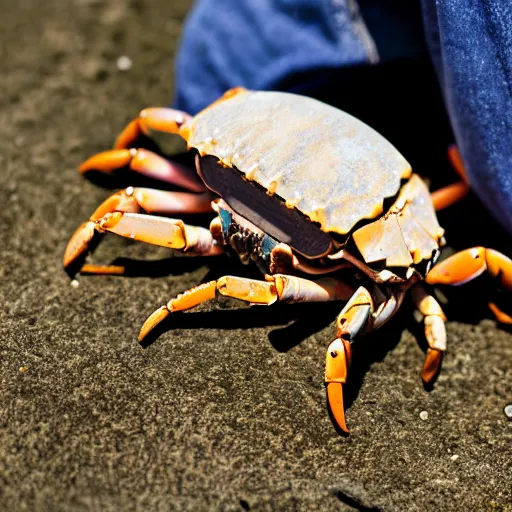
(293, 328)
(164, 267)
(295, 323)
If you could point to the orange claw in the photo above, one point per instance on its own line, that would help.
(453, 193)
(120, 201)
(79, 243)
(469, 264)
(159, 119)
(185, 300)
(449, 195)
(500, 267)
(500, 315)
(335, 398)
(129, 135)
(249, 290)
(459, 268)
(432, 365)
(165, 120)
(152, 321)
(458, 165)
(336, 367)
(107, 161)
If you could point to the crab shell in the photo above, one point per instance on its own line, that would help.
(322, 165)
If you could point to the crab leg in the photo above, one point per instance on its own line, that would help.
(131, 201)
(458, 165)
(471, 263)
(453, 193)
(350, 322)
(165, 120)
(278, 287)
(449, 195)
(147, 163)
(435, 332)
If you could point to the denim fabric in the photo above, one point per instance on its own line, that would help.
(471, 46)
(259, 43)
(272, 44)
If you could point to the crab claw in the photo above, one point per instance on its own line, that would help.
(165, 120)
(336, 366)
(152, 321)
(459, 268)
(182, 302)
(79, 243)
(107, 161)
(335, 399)
(469, 264)
(432, 366)
(82, 240)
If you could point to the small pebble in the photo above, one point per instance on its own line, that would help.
(23, 369)
(124, 63)
(74, 283)
(453, 458)
(508, 411)
(424, 415)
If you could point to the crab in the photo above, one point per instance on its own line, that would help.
(327, 208)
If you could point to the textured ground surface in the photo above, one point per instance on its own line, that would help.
(227, 411)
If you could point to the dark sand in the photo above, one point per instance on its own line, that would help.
(227, 411)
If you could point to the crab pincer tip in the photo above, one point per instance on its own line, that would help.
(129, 135)
(432, 366)
(78, 244)
(152, 321)
(335, 400)
(108, 161)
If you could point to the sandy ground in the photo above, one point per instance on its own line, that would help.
(227, 410)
